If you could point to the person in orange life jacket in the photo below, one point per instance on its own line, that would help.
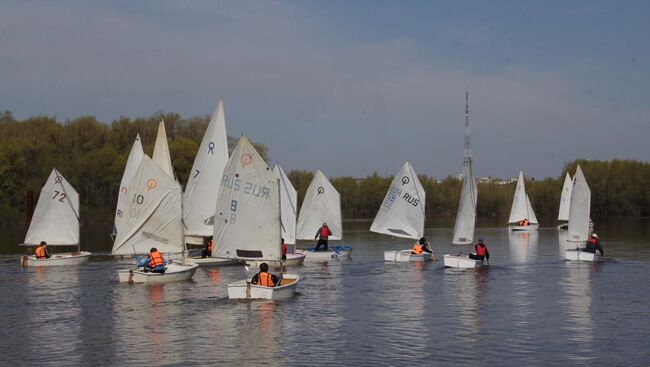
(41, 251)
(207, 251)
(284, 250)
(481, 251)
(593, 244)
(523, 223)
(421, 246)
(264, 278)
(322, 234)
(154, 263)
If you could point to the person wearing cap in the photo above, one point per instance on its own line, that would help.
(593, 244)
(264, 278)
(41, 251)
(421, 246)
(481, 251)
(322, 234)
(154, 262)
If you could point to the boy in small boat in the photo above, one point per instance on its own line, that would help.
(421, 246)
(481, 251)
(41, 251)
(593, 244)
(264, 278)
(154, 262)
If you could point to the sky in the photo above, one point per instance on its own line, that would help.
(351, 87)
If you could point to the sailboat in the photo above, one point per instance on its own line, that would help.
(466, 215)
(288, 214)
(565, 202)
(161, 151)
(153, 217)
(132, 163)
(521, 209)
(203, 183)
(55, 221)
(579, 218)
(247, 224)
(402, 213)
(322, 204)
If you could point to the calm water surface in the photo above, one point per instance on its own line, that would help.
(529, 307)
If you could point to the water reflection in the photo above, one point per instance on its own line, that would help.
(578, 288)
(523, 246)
(465, 289)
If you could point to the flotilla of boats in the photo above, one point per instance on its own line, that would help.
(250, 211)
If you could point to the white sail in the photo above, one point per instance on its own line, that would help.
(520, 209)
(402, 212)
(532, 218)
(322, 204)
(153, 213)
(580, 208)
(247, 218)
(203, 184)
(56, 217)
(565, 199)
(161, 151)
(288, 206)
(132, 163)
(466, 215)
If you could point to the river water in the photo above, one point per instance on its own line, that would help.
(530, 307)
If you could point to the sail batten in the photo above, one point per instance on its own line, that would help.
(402, 212)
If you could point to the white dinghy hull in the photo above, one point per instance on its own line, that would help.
(212, 261)
(173, 273)
(243, 289)
(461, 262)
(530, 227)
(332, 253)
(63, 259)
(579, 255)
(406, 255)
(292, 260)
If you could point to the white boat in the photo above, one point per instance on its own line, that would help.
(132, 163)
(322, 204)
(565, 203)
(211, 261)
(401, 214)
(466, 215)
(522, 209)
(200, 197)
(55, 221)
(293, 259)
(333, 252)
(580, 208)
(247, 224)
(581, 255)
(153, 217)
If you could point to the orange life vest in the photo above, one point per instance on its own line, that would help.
(417, 248)
(480, 250)
(40, 252)
(155, 259)
(210, 246)
(525, 222)
(324, 232)
(265, 279)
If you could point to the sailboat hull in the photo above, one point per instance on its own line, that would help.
(291, 260)
(406, 255)
(331, 253)
(461, 262)
(64, 259)
(579, 255)
(243, 289)
(530, 227)
(173, 273)
(212, 261)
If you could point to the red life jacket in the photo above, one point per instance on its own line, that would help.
(480, 250)
(284, 249)
(417, 248)
(591, 241)
(210, 246)
(265, 279)
(40, 252)
(324, 232)
(155, 259)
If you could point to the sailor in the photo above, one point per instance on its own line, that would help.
(322, 234)
(264, 278)
(421, 246)
(207, 251)
(154, 262)
(284, 250)
(481, 251)
(593, 244)
(41, 251)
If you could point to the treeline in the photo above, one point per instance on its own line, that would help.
(92, 156)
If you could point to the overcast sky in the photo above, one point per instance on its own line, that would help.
(351, 87)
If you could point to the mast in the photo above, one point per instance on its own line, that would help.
(468, 151)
